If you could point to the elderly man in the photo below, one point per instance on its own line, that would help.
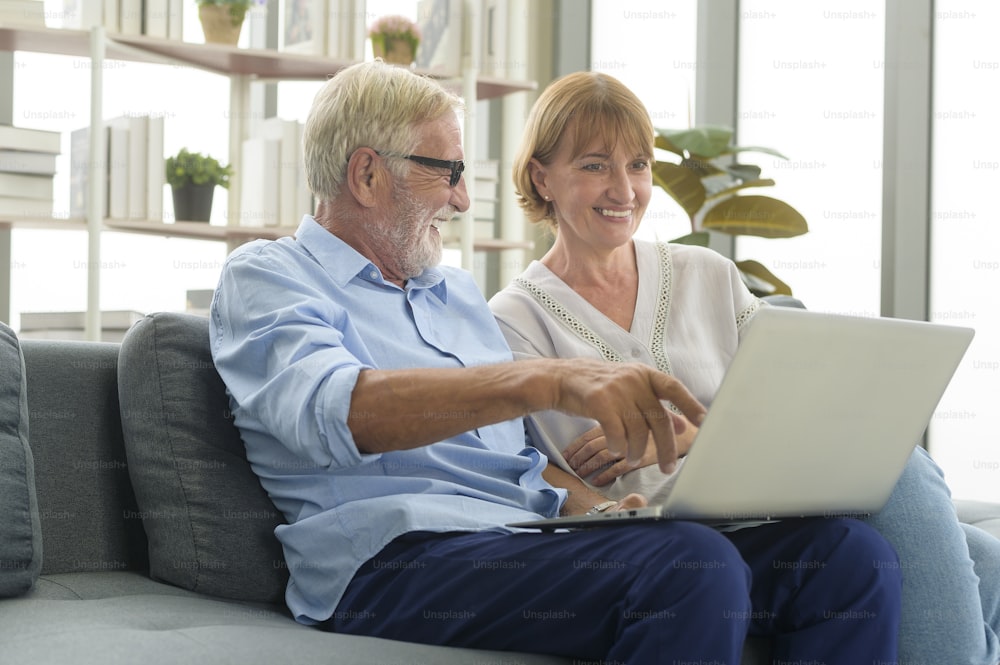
(378, 407)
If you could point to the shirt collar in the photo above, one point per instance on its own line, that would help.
(344, 263)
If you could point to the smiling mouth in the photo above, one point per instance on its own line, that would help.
(621, 214)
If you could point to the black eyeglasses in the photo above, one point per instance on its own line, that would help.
(456, 166)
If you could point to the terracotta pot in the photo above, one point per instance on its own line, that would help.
(218, 25)
(393, 51)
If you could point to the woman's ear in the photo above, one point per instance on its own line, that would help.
(537, 173)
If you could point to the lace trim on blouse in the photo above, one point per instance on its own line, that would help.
(748, 313)
(561, 314)
(666, 287)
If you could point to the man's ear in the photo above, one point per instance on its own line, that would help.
(364, 176)
(537, 173)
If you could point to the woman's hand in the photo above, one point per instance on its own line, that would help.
(589, 453)
(630, 501)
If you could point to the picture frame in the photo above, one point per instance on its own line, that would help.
(302, 26)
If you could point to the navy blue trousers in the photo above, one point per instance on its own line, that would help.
(823, 590)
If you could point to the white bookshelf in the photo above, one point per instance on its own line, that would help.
(241, 66)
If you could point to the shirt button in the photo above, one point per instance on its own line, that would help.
(373, 274)
(636, 353)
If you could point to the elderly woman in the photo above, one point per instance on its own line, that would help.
(584, 170)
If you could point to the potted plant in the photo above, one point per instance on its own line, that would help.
(705, 182)
(222, 20)
(395, 39)
(192, 178)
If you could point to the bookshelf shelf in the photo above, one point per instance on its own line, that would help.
(258, 64)
(241, 66)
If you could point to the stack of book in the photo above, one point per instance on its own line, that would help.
(156, 18)
(485, 198)
(70, 325)
(27, 165)
(22, 13)
(272, 176)
(132, 169)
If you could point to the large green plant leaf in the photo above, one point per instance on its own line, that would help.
(682, 184)
(763, 182)
(762, 281)
(707, 141)
(699, 238)
(757, 148)
(760, 216)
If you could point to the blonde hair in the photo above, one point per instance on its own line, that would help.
(577, 108)
(369, 104)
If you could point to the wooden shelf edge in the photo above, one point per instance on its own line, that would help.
(204, 231)
(266, 64)
(192, 230)
(197, 230)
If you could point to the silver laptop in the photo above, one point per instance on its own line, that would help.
(817, 415)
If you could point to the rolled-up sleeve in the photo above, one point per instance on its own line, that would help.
(280, 349)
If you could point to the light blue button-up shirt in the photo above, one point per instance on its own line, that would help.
(293, 323)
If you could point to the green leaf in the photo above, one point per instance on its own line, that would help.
(699, 238)
(707, 141)
(759, 274)
(766, 151)
(744, 172)
(682, 184)
(760, 216)
(763, 182)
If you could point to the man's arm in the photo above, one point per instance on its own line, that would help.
(401, 409)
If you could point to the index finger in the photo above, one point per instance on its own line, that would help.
(670, 389)
(661, 426)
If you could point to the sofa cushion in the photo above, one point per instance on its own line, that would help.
(20, 529)
(209, 523)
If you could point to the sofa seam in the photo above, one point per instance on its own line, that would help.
(173, 458)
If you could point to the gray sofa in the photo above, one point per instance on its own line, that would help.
(133, 530)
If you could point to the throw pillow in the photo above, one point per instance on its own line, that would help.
(209, 522)
(20, 526)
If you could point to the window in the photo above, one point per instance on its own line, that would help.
(965, 238)
(649, 46)
(810, 86)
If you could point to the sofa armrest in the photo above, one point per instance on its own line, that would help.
(982, 514)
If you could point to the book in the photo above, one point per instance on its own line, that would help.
(289, 169)
(440, 50)
(137, 131)
(175, 20)
(306, 204)
(70, 325)
(79, 172)
(259, 182)
(22, 138)
(156, 177)
(346, 32)
(118, 178)
(26, 161)
(26, 186)
(19, 207)
(111, 16)
(112, 320)
(493, 51)
(130, 17)
(28, 13)
(77, 14)
(156, 18)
